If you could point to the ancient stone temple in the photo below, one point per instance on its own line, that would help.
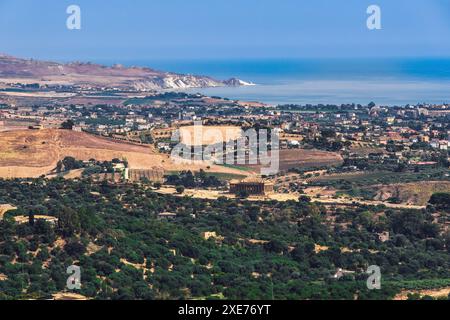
(253, 186)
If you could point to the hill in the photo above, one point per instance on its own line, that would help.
(417, 193)
(230, 249)
(32, 153)
(27, 71)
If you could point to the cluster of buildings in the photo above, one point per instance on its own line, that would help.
(411, 134)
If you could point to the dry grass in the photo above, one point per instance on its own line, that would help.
(32, 153)
(302, 158)
(208, 135)
(25, 219)
(435, 293)
(69, 296)
(318, 248)
(50, 94)
(5, 208)
(417, 193)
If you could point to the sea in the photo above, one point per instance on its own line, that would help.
(387, 82)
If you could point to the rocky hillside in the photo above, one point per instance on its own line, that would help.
(417, 193)
(17, 70)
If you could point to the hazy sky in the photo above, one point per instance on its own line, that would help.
(160, 29)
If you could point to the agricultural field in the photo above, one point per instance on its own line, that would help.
(364, 178)
(32, 153)
(208, 135)
(304, 158)
(408, 188)
(417, 193)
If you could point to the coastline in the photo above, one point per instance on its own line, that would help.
(389, 82)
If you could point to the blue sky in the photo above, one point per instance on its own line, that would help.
(222, 29)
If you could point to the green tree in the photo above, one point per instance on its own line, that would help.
(68, 222)
(67, 125)
(180, 189)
